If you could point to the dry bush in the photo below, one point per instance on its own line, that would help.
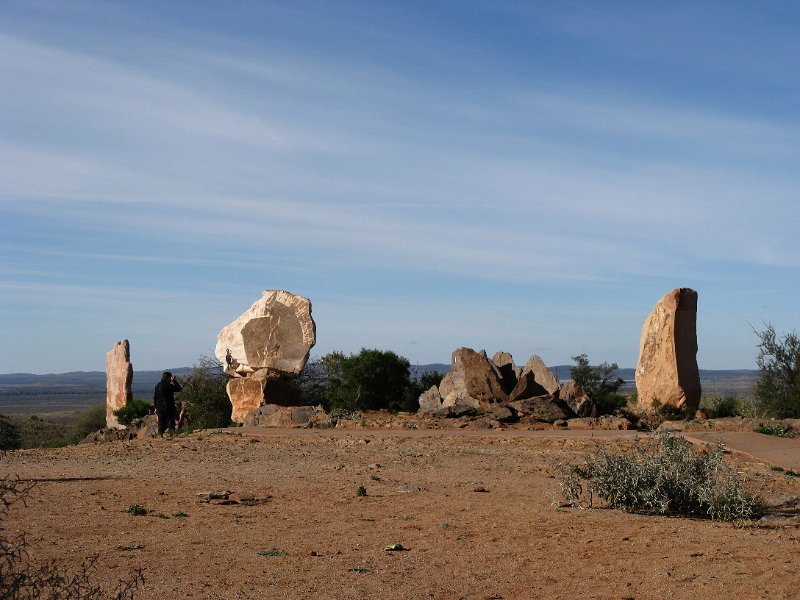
(662, 474)
(19, 580)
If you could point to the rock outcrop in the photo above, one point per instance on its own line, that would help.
(119, 377)
(264, 349)
(498, 389)
(667, 372)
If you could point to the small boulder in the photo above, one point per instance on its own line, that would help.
(430, 401)
(541, 408)
(272, 415)
(577, 400)
(608, 422)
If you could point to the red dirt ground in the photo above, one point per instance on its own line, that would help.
(423, 491)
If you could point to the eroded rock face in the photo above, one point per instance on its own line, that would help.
(276, 333)
(667, 368)
(245, 394)
(430, 401)
(119, 376)
(577, 400)
(527, 387)
(472, 381)
(509, 371)
(543, 376)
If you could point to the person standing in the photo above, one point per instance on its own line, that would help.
(164, 401)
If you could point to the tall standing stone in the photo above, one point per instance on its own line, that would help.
(667, 370)
(119, 376)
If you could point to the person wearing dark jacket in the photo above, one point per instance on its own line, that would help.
(164, 401)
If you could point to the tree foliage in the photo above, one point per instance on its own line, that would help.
(204, 395)
(370, 380)
(778, 389)
(10, 438)
(599, 383)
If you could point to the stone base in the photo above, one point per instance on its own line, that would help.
(272, 415)
(249, 393)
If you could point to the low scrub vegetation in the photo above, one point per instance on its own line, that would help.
(778, 390)
(205, 397)
(778, 430)
(370, 380)
(600, 383)
(662, 474)
(21, 580)
(133, 411)
(35, 432)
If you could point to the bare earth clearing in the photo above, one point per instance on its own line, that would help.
(472, 509)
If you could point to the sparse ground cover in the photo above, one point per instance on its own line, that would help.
(472, 510)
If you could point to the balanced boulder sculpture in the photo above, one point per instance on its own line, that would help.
(119, 377)
(268, 344)
(667, 373)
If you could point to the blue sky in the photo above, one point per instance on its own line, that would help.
(520, 176)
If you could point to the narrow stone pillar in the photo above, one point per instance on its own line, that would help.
(119, 376)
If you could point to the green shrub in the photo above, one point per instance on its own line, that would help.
(204, 395)
(778, 430)
(717, 406)
(778, 390)
(89, 421)
(599, 383)
(369, 380)
(19, 579)
(10, 438)
(134, 410)
(663, 474)
(137, 510)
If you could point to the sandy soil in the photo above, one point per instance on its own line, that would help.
(473, 510)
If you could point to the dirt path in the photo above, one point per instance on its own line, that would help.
(472, 508)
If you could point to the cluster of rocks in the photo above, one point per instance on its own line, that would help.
(144, 429)
(497, 387)
(269, 344)
(263, 350)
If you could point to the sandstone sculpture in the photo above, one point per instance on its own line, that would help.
(667, 370)
(119, 376)
(263, 349)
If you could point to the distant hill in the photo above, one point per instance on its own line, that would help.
(25, 393)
